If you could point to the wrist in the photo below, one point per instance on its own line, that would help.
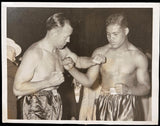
(94, 62)
(70, 69)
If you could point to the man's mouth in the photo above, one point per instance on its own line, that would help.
(113, 43)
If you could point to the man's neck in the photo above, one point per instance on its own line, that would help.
(123, 47)
(48, 45)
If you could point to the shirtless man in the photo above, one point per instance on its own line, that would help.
(41, 71)
(124, 75)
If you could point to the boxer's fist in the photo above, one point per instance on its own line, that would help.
(68, 63)
(99, 59)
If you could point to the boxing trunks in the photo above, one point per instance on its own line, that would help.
(42, 105)
(111, 106)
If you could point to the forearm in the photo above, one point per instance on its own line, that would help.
(80, 77)
(140, 90)
(84, 62)
(30, 87)
(86, 79)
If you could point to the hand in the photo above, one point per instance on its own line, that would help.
(122, 88)
(99, 59)
(68, 63)
(55, 78)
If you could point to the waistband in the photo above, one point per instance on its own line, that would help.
(52, 89)
(109, 91)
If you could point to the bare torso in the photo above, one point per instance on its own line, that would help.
(119, 68)
(49, 62)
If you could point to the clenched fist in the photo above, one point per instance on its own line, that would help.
(55, 78)
(99, 59)
(68, 63)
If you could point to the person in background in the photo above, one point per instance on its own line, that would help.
(78, 90)
(13, 50)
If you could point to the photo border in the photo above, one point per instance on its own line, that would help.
(155, 56)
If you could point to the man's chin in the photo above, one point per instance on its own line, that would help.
(63, 47)
(114, 46)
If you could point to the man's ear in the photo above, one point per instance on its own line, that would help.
(126, 31)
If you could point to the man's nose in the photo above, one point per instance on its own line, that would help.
(112, 37)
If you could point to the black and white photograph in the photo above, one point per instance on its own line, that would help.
(81, 63)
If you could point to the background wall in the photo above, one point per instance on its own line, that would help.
(27, 25)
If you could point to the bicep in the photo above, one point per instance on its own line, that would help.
(142, 70)
(93, 73)
(26, 69)
(142, 76)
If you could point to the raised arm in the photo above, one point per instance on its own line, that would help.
(82, 62)
(86, 79)
(96, 59)
(25, 73)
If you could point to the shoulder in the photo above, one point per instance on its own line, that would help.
(139, 57)
(137, 52)
(33, 52)
(101, 50)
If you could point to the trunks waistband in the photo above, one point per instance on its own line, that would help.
(52, 89)
(109, 91)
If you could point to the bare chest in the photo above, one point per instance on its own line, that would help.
(119, 64)
(49, 63)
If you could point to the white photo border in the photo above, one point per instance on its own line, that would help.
(155, 56)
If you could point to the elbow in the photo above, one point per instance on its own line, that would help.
(147, 90)
(17, 90)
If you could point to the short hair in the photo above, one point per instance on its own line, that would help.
(118, 18)
(56, 20)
